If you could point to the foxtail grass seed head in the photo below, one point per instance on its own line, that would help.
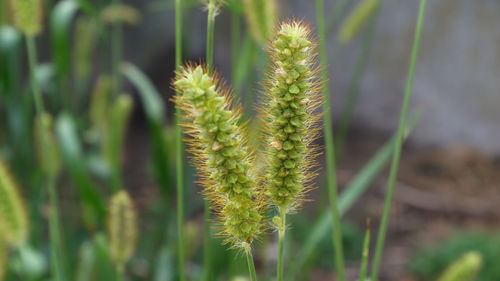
(261, 17)
(122, 227)
(99, 105)
(357, 19)
(464, 268)
(219, 147)
(13, 217)
(290, 115)
(48, 155)
(27, 15)
(121, 13)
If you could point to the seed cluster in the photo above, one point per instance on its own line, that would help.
(220, 152)
(27, 15)
(122, 227)
(291, 100)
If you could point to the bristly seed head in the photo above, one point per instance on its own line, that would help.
(290, 117)
(220, 153)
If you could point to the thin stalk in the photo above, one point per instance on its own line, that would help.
(56, 253)
(251, 265)
(330, 150)
(281, 244)
(364, 258)
(210, 34)
(210, 59)
(354, 86)
(116, 51)
(399, 142)
(55, 234)
(120, 272)
(179, 157)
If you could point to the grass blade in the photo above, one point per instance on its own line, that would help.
(331, 177)
(399, 142)
(71, 150)
(352, 192)
(155, 113)
(60, 23)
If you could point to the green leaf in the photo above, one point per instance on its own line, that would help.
(92, 206)
(155, 112)
(60, 23)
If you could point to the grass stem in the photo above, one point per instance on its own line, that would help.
(116, 51)
(54, 224)
(397, 147)
(210, 60)
(281, 244)
(355, 84)
(330, 150)
(179, 154)
(251, 265)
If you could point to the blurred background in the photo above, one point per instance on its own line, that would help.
(447, 191)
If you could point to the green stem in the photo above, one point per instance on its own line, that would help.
(210, 59)
(364, 258)
(54, 225)
(179, 157)
(55, 232)
(330, 150)
(397, 147)
(116, 52)
(251, 265)
(352, 94)
(206, 243)
(120, 272)
(210, 34)
(281, 244)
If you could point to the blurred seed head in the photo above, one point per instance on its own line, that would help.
(465, 268)
(122, 227)
(120, 13)
(27, 16)
(13, 216)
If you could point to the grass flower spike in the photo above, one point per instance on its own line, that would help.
(122, 228)
(27, 15)
(290, 117)
(13, 217)
(218, 144)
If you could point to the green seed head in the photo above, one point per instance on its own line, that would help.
(122, 227)
(117, 119)
(463, 269)
(357, 19)
(84, 45)
(289, 112)
(261, 16)
(218, 144)
(13, 217)
(48, 154)
(27, 16)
